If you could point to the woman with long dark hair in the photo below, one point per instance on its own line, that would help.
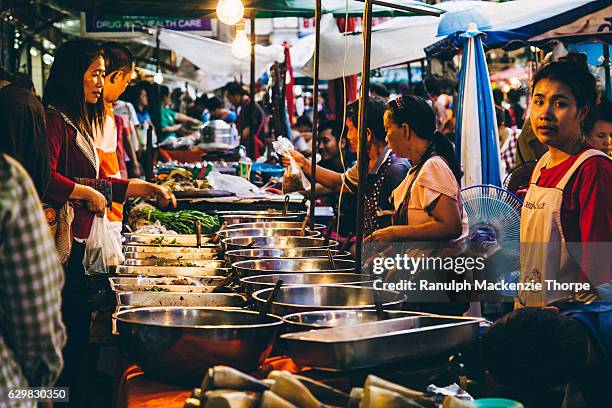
(75, 113)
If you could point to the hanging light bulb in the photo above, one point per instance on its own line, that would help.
(158, 78)
(241, 47)
(33, 52)
(47, 59)
(230, 11)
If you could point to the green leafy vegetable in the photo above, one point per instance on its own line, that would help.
(183, 222)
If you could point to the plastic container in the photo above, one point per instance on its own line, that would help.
(267, 171)
(497, 403)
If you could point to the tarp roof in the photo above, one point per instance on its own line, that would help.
(206, 8)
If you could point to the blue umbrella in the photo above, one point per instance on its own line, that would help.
(476, 128)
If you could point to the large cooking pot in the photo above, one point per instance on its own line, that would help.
(274, 224)
(238, 255)
(258, 282)
(178, 344)
(270, 266)
(230, 244)
(238, 217)
(267, 232)
(326, 319)
(294, 299)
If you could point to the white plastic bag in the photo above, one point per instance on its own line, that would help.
(102, 249)
(294, 179)
(234, 184)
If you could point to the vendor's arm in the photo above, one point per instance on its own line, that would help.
(594, 192)
(179, 117)
(446, 225)
(327, 178)
(140, 188)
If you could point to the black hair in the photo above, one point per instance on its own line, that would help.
(336, 128)
(374, 116)
(380, 90)
(419, 90)
(22, 80)
(23, 135)
(573, 72)
(601, 112)
(535, 349)
(420, 117)
(514, 95)
(498, 96)
(303, 121)
(164, 91)
(117, 57)
(201, 100)
(214, 103)
(64, 87)
(234, 88)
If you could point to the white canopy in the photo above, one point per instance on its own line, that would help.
(215, 58)
(403, 39)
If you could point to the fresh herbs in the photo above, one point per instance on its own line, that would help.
(182, 222)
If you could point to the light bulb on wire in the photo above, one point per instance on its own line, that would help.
(241, 47)
(230, 12)
(158, 78)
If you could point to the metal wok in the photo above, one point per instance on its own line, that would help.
(278, 266)
(294, 299)
(178, 344)
(258, 282)
(274, 224)
(283, 253)
(230, 244)
(326, 319)
(267, 232)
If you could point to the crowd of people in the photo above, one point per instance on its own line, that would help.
(78, 154)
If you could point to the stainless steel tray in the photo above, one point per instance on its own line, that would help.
(163, 288)
(149, 299)
(177, 281)
(209, 264)
(171, 249)
(208, 255)
(162, 240)
(372, 344)
(277, 224)
(145, 270)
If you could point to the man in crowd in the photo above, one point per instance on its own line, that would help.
(241, 103)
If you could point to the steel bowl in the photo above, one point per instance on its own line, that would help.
(290, 266)
(295, 299)
(274, 224)
(258, 282)
(267, 232)
(326, 319)
(279, 253)
(239, 217)
(230, 244)
(178, 344)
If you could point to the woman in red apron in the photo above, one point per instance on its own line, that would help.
(566, 219)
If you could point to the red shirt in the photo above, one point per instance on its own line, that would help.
(586, 209)
(60, 187)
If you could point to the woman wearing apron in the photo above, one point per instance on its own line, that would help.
(566, 216)
(428, 209)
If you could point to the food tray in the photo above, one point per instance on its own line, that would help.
(372, 344)
(167, 271)
(167, 240)
(209, 255)
(163, 288)
(188, 263)
(172, 249)
(176, 281)
(149, 299)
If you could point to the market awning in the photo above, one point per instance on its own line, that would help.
(206, 8)
(517, 23)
